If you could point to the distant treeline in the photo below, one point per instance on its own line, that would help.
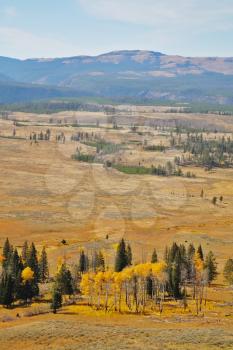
(204, 152)
(96, 104)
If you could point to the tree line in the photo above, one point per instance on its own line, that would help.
(21, 274)
(205, 152)
(184, 273)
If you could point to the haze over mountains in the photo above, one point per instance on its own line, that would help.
(137, 74)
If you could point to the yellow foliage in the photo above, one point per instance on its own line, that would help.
(27, 274)
(199, 265)
(115, 246)
(126, 274)
(86, 283)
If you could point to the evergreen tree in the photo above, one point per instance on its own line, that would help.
(83, 262)
(200, 253)
(28, 287)
(228, 271)
(32, 261)
(18, 286)
(15, 264)
(28, 290)
(190, 263)
(173, 252)
(56, 299)
(191, 251)
(24, 253)
(43, 266)
(121, 260)
(7, 253)
(7, 290)
(183, 254)
(176, 277)
(6, 249)
(129, 255)
(166, 255)
(64, 280)
(154, 258)
(211, 267)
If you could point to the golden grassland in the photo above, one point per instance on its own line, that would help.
(79, 326)
(46, 197)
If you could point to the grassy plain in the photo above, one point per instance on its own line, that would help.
(45, 197)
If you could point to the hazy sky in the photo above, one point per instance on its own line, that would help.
(49, 28)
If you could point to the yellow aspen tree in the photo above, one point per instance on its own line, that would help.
(27, 274)
(199, 282)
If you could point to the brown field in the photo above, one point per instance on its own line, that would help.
(45, 197)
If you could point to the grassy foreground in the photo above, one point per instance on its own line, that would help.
(116, 332)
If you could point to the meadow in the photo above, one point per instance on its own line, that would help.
(108, 192)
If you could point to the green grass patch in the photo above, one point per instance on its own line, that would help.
(127, 169)
(87, 158)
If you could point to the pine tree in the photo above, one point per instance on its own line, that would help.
(7, 290)
(228, 271)
(191, 251)
(64, 280)
(173, 252)
(43, 266)
(32, 261)
(29, 290)
(190, 263)
(15, 264)
(7, 253)
(129, 255)
(200, 252)
(29, 286)
(82, 262)
(211, 267)
(154, 258)
(24, 253)
(56, 299)
(6, 249)
(176, 277)
(121, 257)
(183, 253)
(18, 286)
(166, 255)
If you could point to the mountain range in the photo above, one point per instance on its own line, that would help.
(136, 74)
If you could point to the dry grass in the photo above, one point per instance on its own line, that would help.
(67, 332)
(45, 197)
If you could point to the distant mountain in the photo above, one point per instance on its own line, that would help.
(124, 74)
(4, 78)
(11, 92)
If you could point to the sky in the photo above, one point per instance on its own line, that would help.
(59, 28)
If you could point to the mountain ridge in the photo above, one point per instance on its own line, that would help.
(129, 73)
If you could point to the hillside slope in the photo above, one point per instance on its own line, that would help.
(140, 74)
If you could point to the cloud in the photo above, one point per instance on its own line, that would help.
(164, 14)
(14, 41)
(10, 11)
